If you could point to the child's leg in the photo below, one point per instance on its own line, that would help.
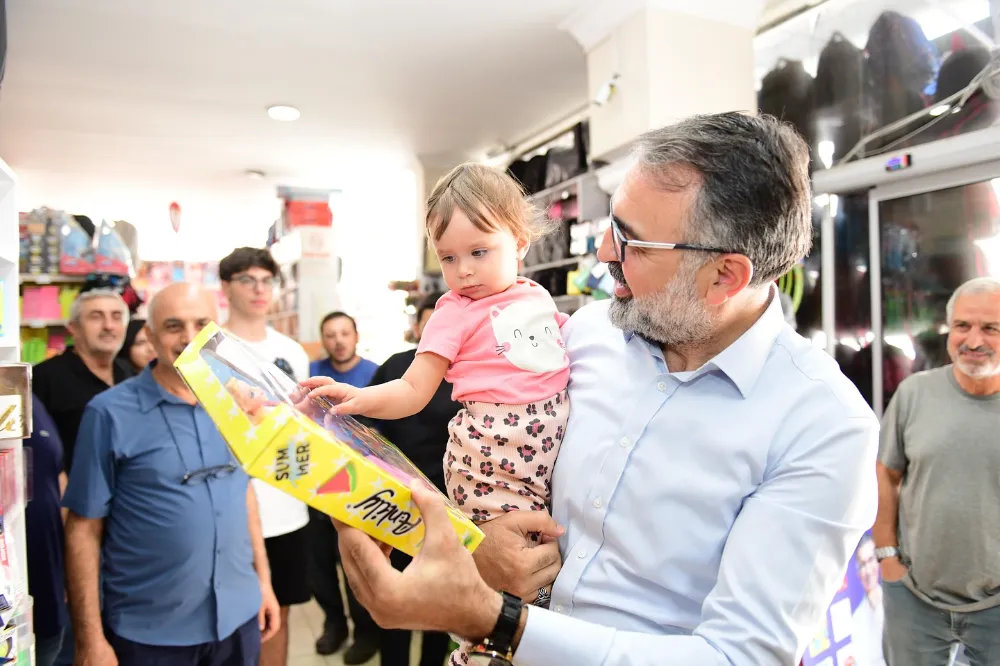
(499, 459)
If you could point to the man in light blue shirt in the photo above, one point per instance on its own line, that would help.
(718, 470)
(163, 520)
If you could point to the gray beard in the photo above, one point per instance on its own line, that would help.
(672, 317)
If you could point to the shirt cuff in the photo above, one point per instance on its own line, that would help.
(549, 635)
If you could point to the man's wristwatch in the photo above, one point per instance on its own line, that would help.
(497, 649)
(886, 552)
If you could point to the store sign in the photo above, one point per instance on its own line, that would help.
(308, 214)
(852, 630)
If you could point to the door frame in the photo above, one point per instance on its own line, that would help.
(898, 189)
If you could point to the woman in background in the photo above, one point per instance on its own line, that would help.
(137, 349)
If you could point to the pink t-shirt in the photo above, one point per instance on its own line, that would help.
(505, 348)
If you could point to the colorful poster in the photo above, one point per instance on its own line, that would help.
(852, 635)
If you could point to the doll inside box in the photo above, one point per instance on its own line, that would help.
(258, 387)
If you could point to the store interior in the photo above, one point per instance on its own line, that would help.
(148, 140)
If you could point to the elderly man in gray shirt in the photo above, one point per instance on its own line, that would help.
(938, 527)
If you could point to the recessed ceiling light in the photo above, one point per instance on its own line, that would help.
(255, 174)
(284, 114)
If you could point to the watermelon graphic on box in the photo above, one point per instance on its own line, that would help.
(344, 481)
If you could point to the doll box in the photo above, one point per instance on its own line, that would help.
(334, 464)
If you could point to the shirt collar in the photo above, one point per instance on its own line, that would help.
(743, 360)
(151, 394)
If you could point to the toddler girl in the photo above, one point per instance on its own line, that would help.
(496, 337)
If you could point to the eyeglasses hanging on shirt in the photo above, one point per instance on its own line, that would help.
(202, 474)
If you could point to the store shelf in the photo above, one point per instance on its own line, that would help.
(28, 278)
(44, 323)
(562, 263)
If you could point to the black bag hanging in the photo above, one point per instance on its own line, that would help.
(957, 72)
(902, 72)
(787, 93)
(839, 95)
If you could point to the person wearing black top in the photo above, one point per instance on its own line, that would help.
(422, 438)
(44, 534)
(67, 382)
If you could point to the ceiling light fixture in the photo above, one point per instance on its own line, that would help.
(285, 114)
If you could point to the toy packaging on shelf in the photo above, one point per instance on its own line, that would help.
(111, 255)
(77, 255)
(334, 464)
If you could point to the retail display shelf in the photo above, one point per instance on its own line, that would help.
(30, 278)
(561, 263)
(44, 323)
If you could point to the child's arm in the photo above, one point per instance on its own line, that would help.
(393, 400)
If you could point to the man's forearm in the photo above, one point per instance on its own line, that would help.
(260, 563)
(886, 529)
(83, 561)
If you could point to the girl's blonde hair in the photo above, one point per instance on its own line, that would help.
(493, 201)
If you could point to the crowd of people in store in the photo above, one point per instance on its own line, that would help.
(700, 505)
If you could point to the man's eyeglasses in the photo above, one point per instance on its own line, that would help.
(206, 473)
(250, 282)
(620, 242)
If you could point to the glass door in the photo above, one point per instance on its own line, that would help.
(928, 236)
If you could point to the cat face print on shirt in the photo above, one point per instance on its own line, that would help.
(528, 335)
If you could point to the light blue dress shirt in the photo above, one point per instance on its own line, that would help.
(710, 515)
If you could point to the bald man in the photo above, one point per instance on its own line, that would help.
(163, 520)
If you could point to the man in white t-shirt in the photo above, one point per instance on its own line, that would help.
(248, 278)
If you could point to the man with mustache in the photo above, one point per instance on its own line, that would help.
(717, 471)
(67, 382)
(339, 335)
(939, 496)
(165, 560)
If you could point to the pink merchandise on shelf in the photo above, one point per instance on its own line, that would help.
(8, 480)
(49, 306)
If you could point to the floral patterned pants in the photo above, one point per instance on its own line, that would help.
(500, 458)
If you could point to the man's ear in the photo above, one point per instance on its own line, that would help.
(727, 276)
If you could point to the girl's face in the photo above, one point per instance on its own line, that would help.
(142, 352)
(478, 263)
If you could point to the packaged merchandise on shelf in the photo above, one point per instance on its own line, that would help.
(334, 464)
(40, 242)
(77, 255)
(111, 254)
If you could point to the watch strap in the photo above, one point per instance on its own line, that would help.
(502, 638)
(886, 552)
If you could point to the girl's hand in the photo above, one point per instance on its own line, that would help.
(347, 399)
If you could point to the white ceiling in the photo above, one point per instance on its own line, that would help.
(143, 89)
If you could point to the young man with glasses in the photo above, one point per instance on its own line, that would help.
(165, 559)
(249, 279)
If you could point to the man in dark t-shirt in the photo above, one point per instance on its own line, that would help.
(67, 382)
(422, 438)
(44, 535)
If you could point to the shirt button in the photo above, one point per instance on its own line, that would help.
(559, 609)
(661, 387)
(582, 553)
(598, 503)
(624, 442)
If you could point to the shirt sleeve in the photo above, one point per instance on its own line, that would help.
(446, 331)
(891, 452)
(92, 478)
(300, 363)
(781, 566)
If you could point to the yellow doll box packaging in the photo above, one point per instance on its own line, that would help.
(333, 463)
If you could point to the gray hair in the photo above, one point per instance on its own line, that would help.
(980, 285)
(752, 175)
(76, 309)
